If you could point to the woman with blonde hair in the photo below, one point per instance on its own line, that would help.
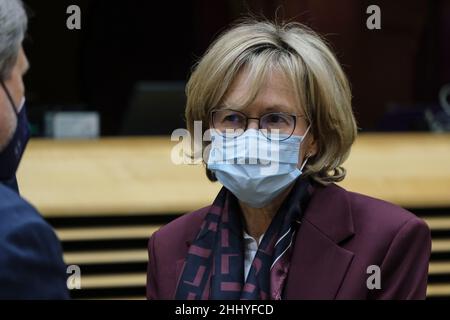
(277, 106)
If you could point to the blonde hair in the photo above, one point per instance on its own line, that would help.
(318, 80)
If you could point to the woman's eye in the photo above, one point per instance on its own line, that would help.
(232, 118)
(275, 118)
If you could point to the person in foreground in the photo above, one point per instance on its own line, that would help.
(31, 264)
(280, 228)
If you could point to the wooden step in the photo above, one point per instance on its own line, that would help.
(106, 233)
(106, 257)
(438, 223)
(439, 267)
(113, 281)
(441, 245)
(438, 290)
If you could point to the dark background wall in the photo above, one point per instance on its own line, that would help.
(120, 43)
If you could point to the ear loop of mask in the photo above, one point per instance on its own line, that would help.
(307, 157)
(16, 112)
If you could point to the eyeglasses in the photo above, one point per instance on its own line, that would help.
(274, 125)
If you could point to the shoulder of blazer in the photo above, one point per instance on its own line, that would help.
(338, 212)
(15, 211)
(177, 235)
(380, 213)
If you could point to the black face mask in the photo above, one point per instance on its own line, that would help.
(12, 154)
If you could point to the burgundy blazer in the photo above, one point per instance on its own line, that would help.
(342, 234)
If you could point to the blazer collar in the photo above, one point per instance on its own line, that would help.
(318, 264)
(330, 212)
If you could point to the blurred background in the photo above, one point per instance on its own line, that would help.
(123, 75)
(396, 72)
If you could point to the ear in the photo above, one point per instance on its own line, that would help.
(310, 146)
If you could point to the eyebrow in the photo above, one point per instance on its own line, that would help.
(265, 109)
(278, 108)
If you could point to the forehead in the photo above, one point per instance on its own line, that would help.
(272, 91)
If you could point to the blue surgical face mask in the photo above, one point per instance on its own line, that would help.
(11, 155)
(255, 169)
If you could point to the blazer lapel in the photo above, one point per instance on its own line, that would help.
(318, 264)
(179, 266)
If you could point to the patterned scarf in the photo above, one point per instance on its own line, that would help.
(214, 266)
